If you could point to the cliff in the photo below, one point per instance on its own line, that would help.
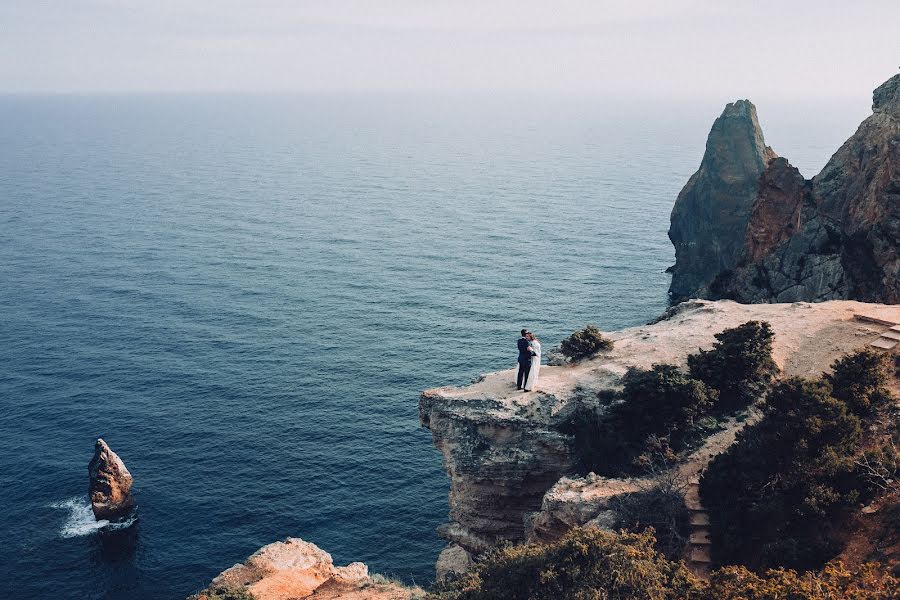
(747, 226)
(505, 453)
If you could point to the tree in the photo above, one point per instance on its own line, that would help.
(740, 364)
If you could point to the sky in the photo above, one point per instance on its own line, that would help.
(670, 48)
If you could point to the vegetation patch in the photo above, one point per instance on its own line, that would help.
(591, 564)
(777, 496)
(740, 364)
(584, 343)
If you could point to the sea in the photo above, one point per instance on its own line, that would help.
(244, 295)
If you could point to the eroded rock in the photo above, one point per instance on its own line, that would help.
(295, 569)
(836, 236)
(110, 484)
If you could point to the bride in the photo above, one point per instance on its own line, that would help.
(535, 345)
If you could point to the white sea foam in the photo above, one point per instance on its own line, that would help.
(81, 521)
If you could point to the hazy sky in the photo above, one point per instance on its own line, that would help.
(655, 47)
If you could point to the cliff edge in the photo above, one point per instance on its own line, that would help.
(504, 449)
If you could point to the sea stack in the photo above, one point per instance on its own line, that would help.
(110, 487)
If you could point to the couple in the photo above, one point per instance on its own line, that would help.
(529, 361)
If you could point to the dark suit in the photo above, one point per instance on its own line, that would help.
(524, 362)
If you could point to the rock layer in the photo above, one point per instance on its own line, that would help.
(110, 484)
(504, 451)
(295, 569)
(836, 236)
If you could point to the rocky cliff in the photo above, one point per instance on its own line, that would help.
(295, 569)
(504, 451)
(749, 227)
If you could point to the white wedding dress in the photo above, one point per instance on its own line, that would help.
(531, 384)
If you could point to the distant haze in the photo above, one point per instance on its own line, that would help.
(622, 48)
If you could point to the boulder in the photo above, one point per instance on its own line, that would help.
(110, 484)
(295, 569)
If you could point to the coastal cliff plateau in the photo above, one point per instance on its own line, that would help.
(512, 470)
(747, 226)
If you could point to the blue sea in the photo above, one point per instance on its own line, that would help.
(245, 295)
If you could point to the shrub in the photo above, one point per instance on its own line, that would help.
(226, 593)
(584, 343)
(661, 509)
(773, 495)
(871, 582)
(586, 564)
(659, 403)
(860, 380)
(740, 364)
(599, 565)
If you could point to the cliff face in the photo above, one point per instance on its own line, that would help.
(709, 220)
(505, 454)
(833, 237)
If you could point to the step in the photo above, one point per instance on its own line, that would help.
(693, 504)
(890, 334)
(699, 518)
(884, 343)
(700, 538)
(869, 319)
(700, 555)
(895, 328)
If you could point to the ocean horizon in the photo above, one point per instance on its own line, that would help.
(245, 294)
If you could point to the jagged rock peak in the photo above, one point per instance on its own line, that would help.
(886, 97)
(736, 141)
(710, 216)
(110, 484)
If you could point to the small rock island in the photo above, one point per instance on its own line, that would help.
(110, 484)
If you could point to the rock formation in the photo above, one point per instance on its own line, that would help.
(710, 217)
(295, 569)
(110, 484)
(505, 453)
(833, 237)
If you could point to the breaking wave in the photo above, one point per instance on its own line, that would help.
(81, 521)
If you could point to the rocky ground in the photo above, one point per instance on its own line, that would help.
(295, 569)
(509, 466)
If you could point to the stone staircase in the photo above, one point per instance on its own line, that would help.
(887, 340)
(697, 551)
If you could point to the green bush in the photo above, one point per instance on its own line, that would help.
(860, 380)
(740, 364)
(871, 582)
(229, 593)
(774, 495)
(661, 508)
(659, 403)
(590, 564)
(586, 564)
(584, 343)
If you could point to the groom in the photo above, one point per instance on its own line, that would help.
(525, 355)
